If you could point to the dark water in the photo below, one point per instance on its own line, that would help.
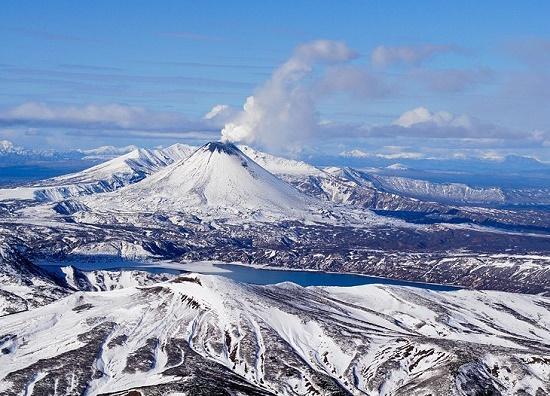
(21, 174)
(245, 274)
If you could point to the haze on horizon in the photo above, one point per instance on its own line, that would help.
(446, 80)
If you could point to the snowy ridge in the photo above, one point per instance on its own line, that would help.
(103, 280)
(107, 176)
(176, 152)
(445, 192)
(206, 333)
(106, 152)
(332, 182)
(279, 165)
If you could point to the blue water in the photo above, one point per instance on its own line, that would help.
(245, 274)
(18, 174)
(263, 276)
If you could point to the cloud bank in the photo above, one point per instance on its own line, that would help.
(443, 125)
(111, 117)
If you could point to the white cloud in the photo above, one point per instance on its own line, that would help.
(216, 111)
(220, 114)
(111, 114)
(98, 116)
(422, 115)
(422, 129)
(282, 114)
(460, 129)
(384, 56)
(402, 155)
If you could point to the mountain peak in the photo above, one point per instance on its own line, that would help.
(222, 147)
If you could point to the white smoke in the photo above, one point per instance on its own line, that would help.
(281, 114)
(216, 111)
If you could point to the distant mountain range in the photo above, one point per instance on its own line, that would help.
(513, 163)
(11, 154)
(464, 164)
(223, 173)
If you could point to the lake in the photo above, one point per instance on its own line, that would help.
(242, 273)
(266, 276)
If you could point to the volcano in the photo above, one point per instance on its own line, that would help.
(216, 177)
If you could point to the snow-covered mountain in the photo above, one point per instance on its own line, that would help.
(7, 147)
(440, 192)
(344, 185)
(106, 152)
(128, 168)
(336, 184)
(373, 190)
(198, 334)
(104, 280)
(107, 176)
(216, 178)
(11, 154)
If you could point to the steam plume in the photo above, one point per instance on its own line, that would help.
(281, 113)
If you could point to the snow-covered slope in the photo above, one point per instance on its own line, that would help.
(333, 184)
(176, 152)
(337, 183)
(22, 284)
(217, 178)
(103, 280)
(127, 166)
(313, 181)
(107, 176)
(208, 335)
(440, 192)
(280, 165)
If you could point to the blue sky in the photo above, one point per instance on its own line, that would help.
(425, 78)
